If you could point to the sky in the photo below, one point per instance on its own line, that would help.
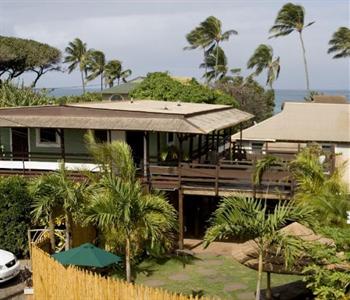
(149, 36)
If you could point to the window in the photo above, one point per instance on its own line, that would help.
(170, 138)
(257, 146)
(101, 136)
(47, 137)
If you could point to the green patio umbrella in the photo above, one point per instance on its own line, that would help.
(87, 255)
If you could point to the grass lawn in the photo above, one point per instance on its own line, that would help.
(207, 274)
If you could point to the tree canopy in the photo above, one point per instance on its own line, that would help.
(161, 86)
(21, 55)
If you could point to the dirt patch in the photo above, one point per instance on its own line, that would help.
(234, 286)
(154, 282)
(246, 296)
(179, 277)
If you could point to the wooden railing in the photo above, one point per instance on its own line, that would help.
(221, 177)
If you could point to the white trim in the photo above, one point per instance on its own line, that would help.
(40, 144)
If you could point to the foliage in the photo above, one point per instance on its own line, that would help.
(11, 96)
(325, 193)
(340, 236)
(311, 95)
(21, 55)
(251, 96)
(291, 18)
(262, 165)
(96, 65)
(262, 59)
(327, 284)
(128, 216)
(114, 71)
(215, 67)
(160, 86)
(15, 202)
(340, 43)
(77, 56)
(245, 219)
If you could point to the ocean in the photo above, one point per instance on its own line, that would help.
(281, 95)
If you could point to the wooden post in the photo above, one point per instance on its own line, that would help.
(146, 158)
(180, 138)
(206, 146)
(63, 152)
(268, 287)
(240, 136)
(158, 147)
(199, 148)
(191, 148)
(181, 220)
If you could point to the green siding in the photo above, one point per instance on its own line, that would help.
(5, 139)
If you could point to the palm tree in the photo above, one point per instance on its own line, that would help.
(119, 205)
(340, 43)
(96, 65)
(77, 56)
(325, 193)
(55, 191)
(215, 67)
(46, 202)
(198, 39)
(112, 69)
(250, 219)
(261, 60)
(291, 18)
(211, 28)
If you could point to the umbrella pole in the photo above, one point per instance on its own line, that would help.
(268, 287)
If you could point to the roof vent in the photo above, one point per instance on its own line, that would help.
(178, 103)
(132, 100)
(166, 108)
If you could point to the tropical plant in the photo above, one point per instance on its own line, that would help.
(56, 191)
(250, 95)
(340, 43)
(15, 220)
(198, 39)
(263, 59)
(112, 69)
(323, 191)
(246, 219)
(211, 29)
(291, 18)
(161, 86)
(215, 67)
(77, 56)
(21, 55)
(262, 165)
(121, 208)
(46, 202)
(96, 66)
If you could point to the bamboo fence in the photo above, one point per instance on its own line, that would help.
(51, 280)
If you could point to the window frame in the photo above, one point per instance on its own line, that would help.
(41, 144)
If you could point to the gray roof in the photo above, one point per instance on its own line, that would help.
(304, 122)
(142, 115)
(124, 88)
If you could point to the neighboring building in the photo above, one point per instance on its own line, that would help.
(325, 121)
(121, 91)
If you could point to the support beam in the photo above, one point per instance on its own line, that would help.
(191, 148)
(158, 147)
(146, 157)
(181, 219)
(63, 151)
(199, 152)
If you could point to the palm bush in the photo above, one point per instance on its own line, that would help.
(119, 205)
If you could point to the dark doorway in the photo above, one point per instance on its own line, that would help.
(19, 143)
(197, 213)
(135, 141)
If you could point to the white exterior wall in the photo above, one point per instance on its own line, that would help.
(118, 135)
(343, 156)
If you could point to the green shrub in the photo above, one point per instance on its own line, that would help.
(15, 219)
(161, 86)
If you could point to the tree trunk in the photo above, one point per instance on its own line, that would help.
(217, 59)
(127, 260)
(82, 80)
(68, 220)
(258, 284)
(101, 82)
(52, 233)
(38, 75)
(205, 66)
(268, 287)
(118, 81)
(305, 62)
